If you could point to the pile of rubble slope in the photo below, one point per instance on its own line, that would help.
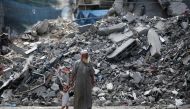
(137, 61)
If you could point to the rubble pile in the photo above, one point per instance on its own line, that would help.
(137, 61)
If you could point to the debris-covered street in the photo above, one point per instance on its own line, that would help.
(138, 60)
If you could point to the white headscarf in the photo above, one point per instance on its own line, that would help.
(85, 52)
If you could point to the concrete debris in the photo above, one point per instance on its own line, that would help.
(130, 17)
(25, 102)
(109, 87)
(178, 102)
(134, 96)
(162, 39)
(7, 94)
(85, 28)
(111, 29)
(186, 60)
(101, 94)
(184, 25)
(40, 91)
(154, 41)
(141, 30)
(50, 93)
(125, 72)
(97, 71)
(177, 8)
(42, 27)
(147, 93)
(113, 66)
(153, 94)
(136, 77)
(102, 99)
(107, 103)
(96, 90)
(175, 92)
(128, 45)
(17, 49)
(55, 87)
(171, 106)
(31, 50)
(117, 37)
(160, 25)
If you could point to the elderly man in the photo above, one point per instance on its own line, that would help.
(83, 80)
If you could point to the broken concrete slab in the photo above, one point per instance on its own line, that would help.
(55, 87)
(6, 83)
(160, 25)
(184, 25)
(111, 29)
(146, 93)
(31, 50)
(162, 39)
(70, 35)
(117, 37)
(113, 66)
(121, 48)
(49, 93)
(17, 49)
(40, 90)
(7, 94)
(154, 41)
(96, 90)
(42, 27)
(178, 102)
(85, 28)
(9, 69)
(109, 50)
(7, 73)
(101, 94)
(186, 60)
(176, 8)
(129, 17)
(24, 75)
(175, 92)
(28, 37)
(109, 87)
(53, 61)
(141, 30)
(136, 77)
(96, 71)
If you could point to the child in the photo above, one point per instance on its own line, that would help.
(65, 96)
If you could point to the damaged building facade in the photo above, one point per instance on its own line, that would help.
(138, 60)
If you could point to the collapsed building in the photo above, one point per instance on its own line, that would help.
(138, 60)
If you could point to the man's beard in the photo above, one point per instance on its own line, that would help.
(86, 60)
